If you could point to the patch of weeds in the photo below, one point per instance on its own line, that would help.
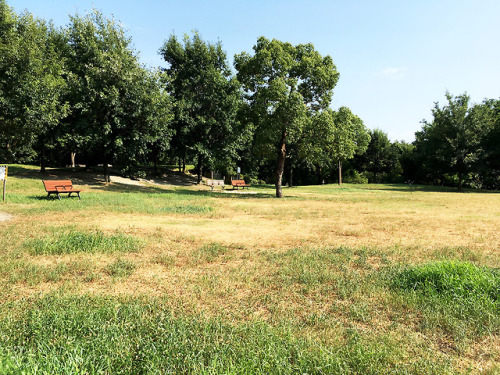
(459, 298)
(186, 209)
(332, 271)
(120, 268)
(58, 334)
(78, 242)
(208, 253)
(165, 260)
(459, 253)
(360, 312)
(348, 284)
(32, 274)
(362, 259)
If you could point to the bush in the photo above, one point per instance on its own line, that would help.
(354, 177)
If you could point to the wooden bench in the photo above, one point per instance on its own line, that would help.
(236, 184)
(60, 187)
(213, 183)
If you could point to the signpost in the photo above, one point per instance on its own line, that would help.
(3, 176)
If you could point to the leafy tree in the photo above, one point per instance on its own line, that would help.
(377, 160)
(207, 97)
(403, 167)
(450, 143)
(488, 165)
(118, 108)
(31, 83)
(285, 85)
(333, 137)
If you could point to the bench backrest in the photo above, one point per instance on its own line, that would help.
(215, 182)
(238, 182)
(53, 185)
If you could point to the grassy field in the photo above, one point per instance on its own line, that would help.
(159, 278)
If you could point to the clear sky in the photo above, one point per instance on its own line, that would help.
(395, 57)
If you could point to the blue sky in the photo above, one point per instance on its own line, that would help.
(395, 57)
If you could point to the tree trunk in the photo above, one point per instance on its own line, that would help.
(291, 175)
(318, 175)
(281, 164)
(184, 164)
(340, 172)
(105, 166)
(73, 157)
(199, 168)
(155, 162)
(460, 181)
(42, 160)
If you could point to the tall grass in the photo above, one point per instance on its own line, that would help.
(69, 335)
(458, 297)
(79, 242)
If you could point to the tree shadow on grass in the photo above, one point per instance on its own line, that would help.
(430, 189)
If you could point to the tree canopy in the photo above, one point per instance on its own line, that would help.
(284, 85)
(207, 98)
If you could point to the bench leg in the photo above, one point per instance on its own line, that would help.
(79, 198)
(58, 196)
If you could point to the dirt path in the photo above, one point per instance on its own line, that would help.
(4, 216)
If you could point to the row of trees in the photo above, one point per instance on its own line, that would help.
(459, 147)
(80, 92)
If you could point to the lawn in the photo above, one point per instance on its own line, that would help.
(164, 278)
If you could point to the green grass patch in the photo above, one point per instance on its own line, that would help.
(79, 242)
(33, 274)
(329, 270)
(121, 268)
(458, 297)
(208, 253)
(186, 209)
(70, 335)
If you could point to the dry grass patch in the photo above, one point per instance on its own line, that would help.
(317, 260)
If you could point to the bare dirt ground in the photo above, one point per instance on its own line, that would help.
(4, 216)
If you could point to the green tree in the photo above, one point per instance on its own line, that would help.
(31, 83)
(118, 108)
(450, 143)
(285, 85)
(488, 164)
(378, 157)
(207, 97)
(331, 138)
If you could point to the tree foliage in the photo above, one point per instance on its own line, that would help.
(284, 85)
(118, 107)
(450, 144)
(31, 83)
(207, 98)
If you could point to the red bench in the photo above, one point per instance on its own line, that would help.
(60, 187)
(236, 184)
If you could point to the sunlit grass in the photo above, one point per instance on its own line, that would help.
(308, 283)
(78, 242)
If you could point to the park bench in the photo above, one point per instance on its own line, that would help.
(236, 184)
(213, 183)
(60, 187)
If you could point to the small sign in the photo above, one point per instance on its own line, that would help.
(238, 170)
(3, 176)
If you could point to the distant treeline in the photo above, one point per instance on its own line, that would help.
(79, 94)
